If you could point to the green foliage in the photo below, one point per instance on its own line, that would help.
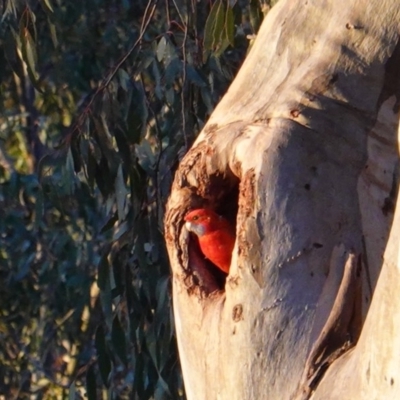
(99, 101)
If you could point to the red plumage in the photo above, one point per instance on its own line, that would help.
(215, 234)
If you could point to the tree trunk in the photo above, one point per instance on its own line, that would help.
(301, 154)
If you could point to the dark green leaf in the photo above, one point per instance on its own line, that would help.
(39, 209)
(103, 280)
(69, 174)
(91, 386)
(162, 44)
(103, 358)
(91, 166)
(230, 26)
(136, 113)
(119, 341)
(110, 222)
(161, 388)
(121, 230)
(28, 48)
(173, 69)
(53, 33)
(146, 156)
(194, 76)
(72, 391)
(210, 33)
(124, 79)
(220, 29)
(255, 15)
(120, 193)
(46, 4)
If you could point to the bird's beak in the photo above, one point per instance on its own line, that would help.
(198, 229)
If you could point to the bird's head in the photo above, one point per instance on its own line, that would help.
(202, 221)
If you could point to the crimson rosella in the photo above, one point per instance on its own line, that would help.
(215, 234)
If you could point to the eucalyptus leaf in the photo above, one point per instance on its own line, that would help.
(137, 113)
(72, 391)
(120, 193)
(162, 45)
(103, 359)
(91, 386)
(119, 341)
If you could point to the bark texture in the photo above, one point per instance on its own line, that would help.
(302, 155)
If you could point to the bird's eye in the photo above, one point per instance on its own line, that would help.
(195, 218)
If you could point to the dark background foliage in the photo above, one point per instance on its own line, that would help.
(99, 101)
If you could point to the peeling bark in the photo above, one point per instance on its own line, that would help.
(343, 325)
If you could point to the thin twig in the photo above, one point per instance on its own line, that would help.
(179, 12)
(167, 14)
